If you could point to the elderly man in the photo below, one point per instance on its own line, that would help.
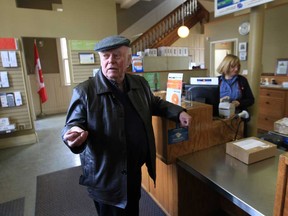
(109, 122)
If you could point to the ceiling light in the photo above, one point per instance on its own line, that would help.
(183, 31)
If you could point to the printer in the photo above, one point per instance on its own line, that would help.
(226, 109)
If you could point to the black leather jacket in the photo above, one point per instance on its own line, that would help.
(94, 108)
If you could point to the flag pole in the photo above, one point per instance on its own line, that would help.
(40, 82)
(41, 114)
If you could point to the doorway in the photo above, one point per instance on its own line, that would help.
(218, 50)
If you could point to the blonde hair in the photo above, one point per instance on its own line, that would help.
(228, 62)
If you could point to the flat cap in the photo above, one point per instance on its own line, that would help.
(112, 42)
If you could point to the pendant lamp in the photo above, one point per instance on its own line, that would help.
(183, 31)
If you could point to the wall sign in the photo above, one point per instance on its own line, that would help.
(86, 58)
(223, 7)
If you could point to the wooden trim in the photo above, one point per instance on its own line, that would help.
(281, 195)
(24, 139)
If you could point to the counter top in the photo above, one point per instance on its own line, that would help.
(250, 187)
(270, 86)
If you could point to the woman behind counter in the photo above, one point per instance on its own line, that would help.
(233, 86)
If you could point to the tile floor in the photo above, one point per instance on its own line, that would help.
(19, 166)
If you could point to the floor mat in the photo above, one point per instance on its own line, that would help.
(13, 207)
(59, 194)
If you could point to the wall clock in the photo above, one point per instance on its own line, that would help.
(244, 28)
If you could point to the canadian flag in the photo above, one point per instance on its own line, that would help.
(39, 76)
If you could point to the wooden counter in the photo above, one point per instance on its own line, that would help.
(272, 106)
(204, 133)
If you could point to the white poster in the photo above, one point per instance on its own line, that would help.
(5, 59)
(18, 98)
(9, 59)
(174, 88)
(223, 7)
(4, 81)
(13, 59)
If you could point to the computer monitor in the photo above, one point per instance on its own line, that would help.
(208, 94)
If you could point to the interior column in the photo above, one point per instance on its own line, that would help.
(255, 62)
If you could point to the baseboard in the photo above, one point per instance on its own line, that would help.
(19, 140)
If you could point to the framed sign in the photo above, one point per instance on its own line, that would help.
(86, 58)
(282, 67)
(243, 56)
(243, 47)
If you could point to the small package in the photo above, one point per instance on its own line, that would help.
(163, 51)
(250, 150)
(140, 53)
(184, 51)
(150, 52)
(137, 63)
(285, 84)
(174, 51)
(281, 126)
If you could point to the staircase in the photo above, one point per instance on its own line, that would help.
(164, 33)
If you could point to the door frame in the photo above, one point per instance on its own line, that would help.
(212, 51)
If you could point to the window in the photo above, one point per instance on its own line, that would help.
(65, 61)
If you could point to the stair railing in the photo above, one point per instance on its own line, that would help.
(168, 24)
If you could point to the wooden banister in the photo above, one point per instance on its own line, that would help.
(164, 33)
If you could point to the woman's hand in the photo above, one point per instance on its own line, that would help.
(224, 99)
(236, 103)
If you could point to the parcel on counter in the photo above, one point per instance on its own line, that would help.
(250, 150)
(281, 126)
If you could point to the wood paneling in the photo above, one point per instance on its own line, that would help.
(18, 115)
(281, 195)
(204, 132)
(81, 72)
(58, 95)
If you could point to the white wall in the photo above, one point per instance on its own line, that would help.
(151, 18)
(80, 20)
(85, 19)
(194, 41)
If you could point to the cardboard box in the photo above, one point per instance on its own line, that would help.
(281, 126)
(250, 150)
